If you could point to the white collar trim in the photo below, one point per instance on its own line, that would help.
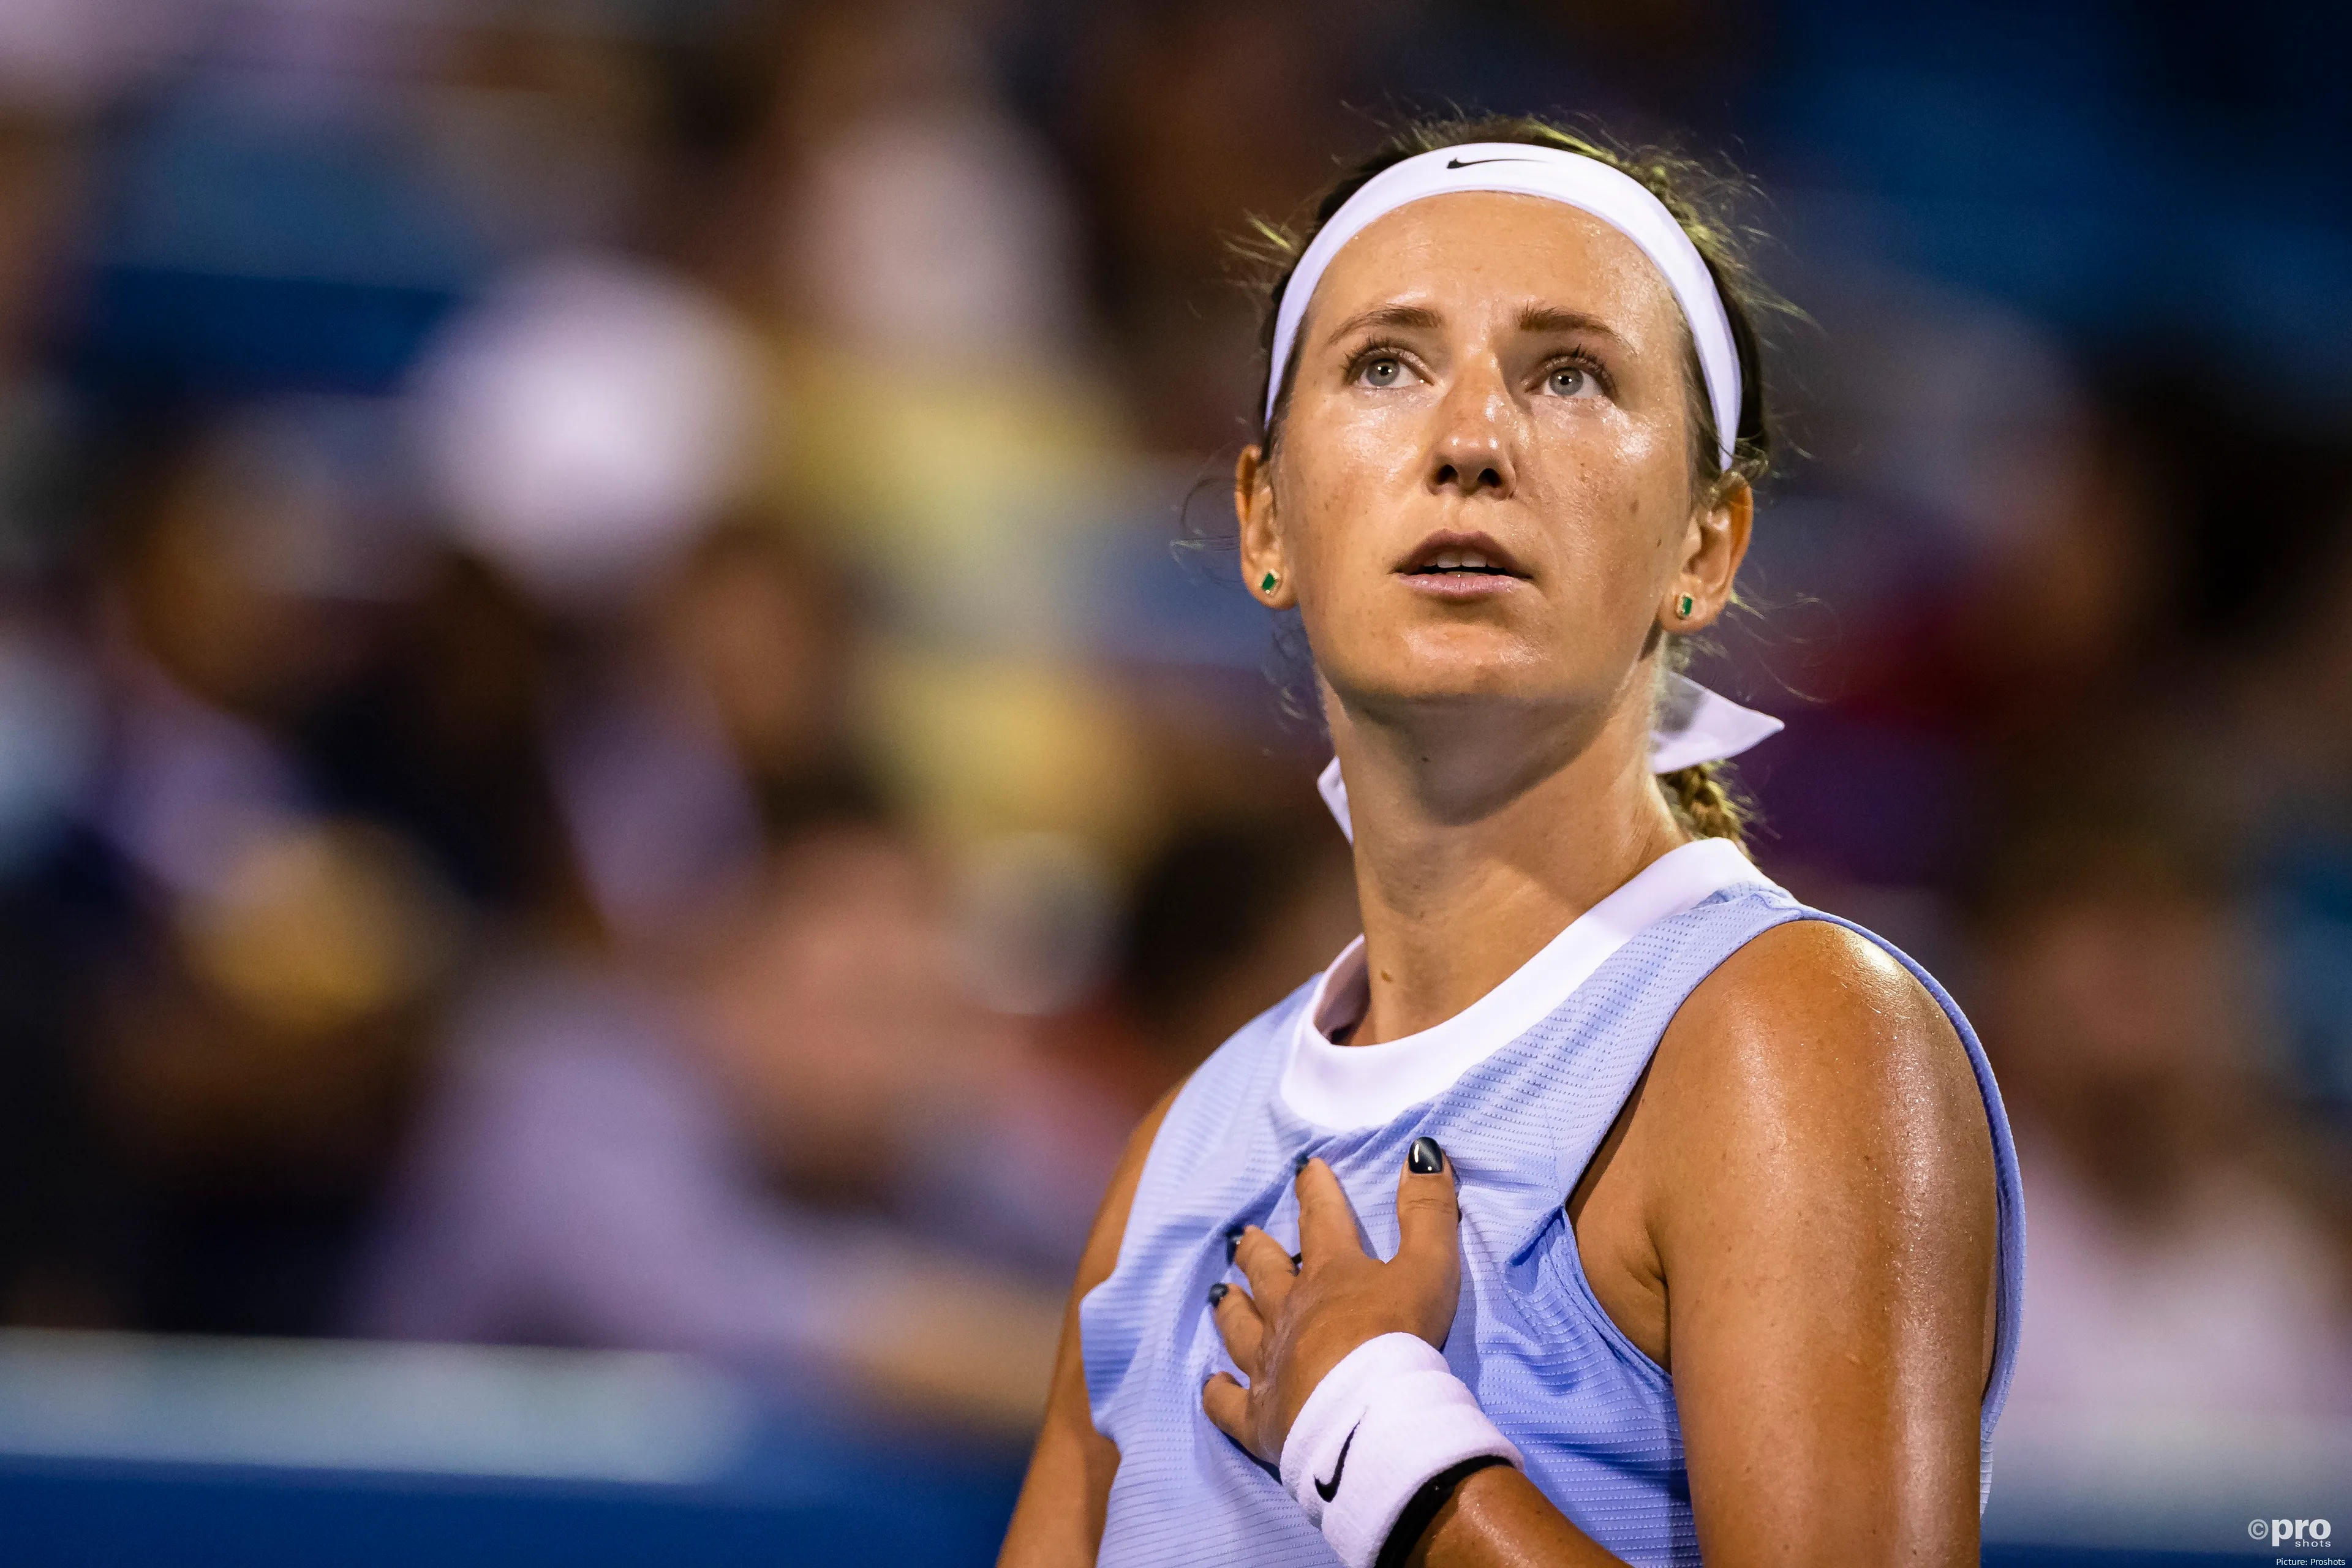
(1342, 1087)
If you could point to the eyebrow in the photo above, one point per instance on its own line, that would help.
(1532, 319)
(1408, 316)
(1550, 319)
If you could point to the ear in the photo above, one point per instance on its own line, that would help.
(1261, 538)
(1713, 547)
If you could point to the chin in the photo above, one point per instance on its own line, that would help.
(1456, 664)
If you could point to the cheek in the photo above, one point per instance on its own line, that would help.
(1615, 500)
(1341, 501)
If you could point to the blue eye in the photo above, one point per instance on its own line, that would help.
(1571, 381)
(1382, 371)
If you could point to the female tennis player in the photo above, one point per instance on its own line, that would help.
(1601, 1203)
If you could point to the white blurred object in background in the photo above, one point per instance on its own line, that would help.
(586, 421)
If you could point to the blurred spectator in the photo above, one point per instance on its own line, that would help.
(926, 226)
(258, 987)
(1228, 918)
(2180, 1264)
(708, 1166)
(2286, 770)
(1225, 919)
(1187, 121)
(442, 737)
(1969, 562)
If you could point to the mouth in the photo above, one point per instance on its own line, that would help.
(1461, 560)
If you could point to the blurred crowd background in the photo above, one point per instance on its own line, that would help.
(625, 720)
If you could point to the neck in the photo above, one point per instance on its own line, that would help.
(1481, 833)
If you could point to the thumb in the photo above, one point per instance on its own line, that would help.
(1429, 1215)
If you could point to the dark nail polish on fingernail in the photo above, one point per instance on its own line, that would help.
(1300, 1164)
(1298, 1262)
(1217, 1293)
(1233, 1243)
(1425, 1159)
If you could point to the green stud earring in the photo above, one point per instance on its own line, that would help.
(1682, 607)
(1266, 584)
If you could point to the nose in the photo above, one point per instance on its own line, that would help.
(1477, 435)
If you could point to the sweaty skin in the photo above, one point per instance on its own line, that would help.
(1795, 1213)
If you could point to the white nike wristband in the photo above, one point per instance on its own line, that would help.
(1385, 1420)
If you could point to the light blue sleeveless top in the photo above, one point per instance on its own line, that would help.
(1593, 1415)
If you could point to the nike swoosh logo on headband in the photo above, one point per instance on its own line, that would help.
(1327, 1490)
(1458, 163)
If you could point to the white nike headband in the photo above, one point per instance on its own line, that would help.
(1519, 168)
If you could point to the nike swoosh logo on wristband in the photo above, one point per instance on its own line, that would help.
(1458, 163)
(1328, 1490)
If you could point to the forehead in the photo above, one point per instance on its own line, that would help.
(1465, 250)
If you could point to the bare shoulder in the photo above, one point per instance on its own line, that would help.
(1813, 1022)
(1818, 970)
(1812, 1099)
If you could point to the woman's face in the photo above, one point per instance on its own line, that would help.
(1483, 489)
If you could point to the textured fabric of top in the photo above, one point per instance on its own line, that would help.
(1594, 1416)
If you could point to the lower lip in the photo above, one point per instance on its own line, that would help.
(1459, 584)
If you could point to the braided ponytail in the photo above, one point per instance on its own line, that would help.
(1705, 802)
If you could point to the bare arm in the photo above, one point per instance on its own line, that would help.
(1827, 1240)
(1058, 1523)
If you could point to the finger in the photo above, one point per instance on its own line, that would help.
(1243, 1329)
(1428, 1211)
(1326, 1221)
(1227, 1405)
(1265, 1263)
(1234, 1241)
